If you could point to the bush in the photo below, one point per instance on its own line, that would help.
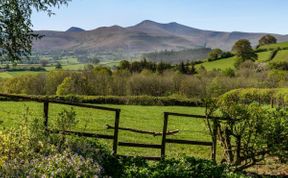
(65, 164)
(264, 96)
(176, 168)
(255, 131)
(29, 152)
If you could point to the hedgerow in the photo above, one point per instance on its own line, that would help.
(127, 100)
(274, 96)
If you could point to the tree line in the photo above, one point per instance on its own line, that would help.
(101, 81)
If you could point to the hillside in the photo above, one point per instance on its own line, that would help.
(281, 56)
(147, 36)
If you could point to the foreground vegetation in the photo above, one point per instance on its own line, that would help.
(29, 152)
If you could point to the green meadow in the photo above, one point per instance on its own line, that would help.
(148, 118)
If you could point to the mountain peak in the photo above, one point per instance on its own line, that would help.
(75, 29)
(147, 22)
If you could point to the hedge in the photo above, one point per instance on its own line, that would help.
(126, 100)
(273, 96)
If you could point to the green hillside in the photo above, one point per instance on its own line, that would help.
(223, 64)
(277, 45)
(219, 64)
(282, 55)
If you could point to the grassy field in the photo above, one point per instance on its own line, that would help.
(263, 56)
(15, 74)
(281, 56)
(229, 62)
(277, 45)
(138, 117)
(66, 66)
(219, 64)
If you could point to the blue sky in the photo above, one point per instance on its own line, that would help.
(221, 15)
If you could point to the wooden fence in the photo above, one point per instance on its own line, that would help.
(114, 137)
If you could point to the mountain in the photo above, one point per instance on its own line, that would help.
(147, 36)
(75, 29)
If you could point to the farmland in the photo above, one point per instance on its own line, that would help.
(277, 45)
(226, 63)
(67, 64)
(281, 56)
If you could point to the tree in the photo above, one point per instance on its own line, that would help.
(16, 35)
(243, 50)
(267, 39)
(215, 54)
(124, 65)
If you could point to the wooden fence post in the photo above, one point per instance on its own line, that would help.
(214, 140)
(116, 131)
(163, 145)
(46, 110)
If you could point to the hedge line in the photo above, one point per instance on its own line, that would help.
(126, 100)
(274, 96)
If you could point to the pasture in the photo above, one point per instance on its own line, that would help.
(276, 45)
(281, 56)
(263, 56)
(226, 63)
(221, 64)
(18, 73)
(148, 118)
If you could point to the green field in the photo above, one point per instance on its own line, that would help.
(15, 74)
(282, 55)
(65, 66)
(219, 64)
(276, 45)
(263, 56)
(138, 117)
(226, 63)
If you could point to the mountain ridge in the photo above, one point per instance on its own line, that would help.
(146, 36)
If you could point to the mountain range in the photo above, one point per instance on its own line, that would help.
(146, 36)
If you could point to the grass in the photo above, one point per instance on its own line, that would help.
(276, 45)
(221, 64)
(138, 117)
(226, 63)
(263, 56)
(281, 56)
(15, 74)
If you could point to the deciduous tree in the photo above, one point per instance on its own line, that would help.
(267, 39)
(243, 50)
(16, 34)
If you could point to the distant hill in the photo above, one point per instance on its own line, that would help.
(147, 36)
(75, 29)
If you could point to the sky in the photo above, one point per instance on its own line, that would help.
(220, 15)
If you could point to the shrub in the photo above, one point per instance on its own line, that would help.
(255, 130)
(176, 168)
(65, 164)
